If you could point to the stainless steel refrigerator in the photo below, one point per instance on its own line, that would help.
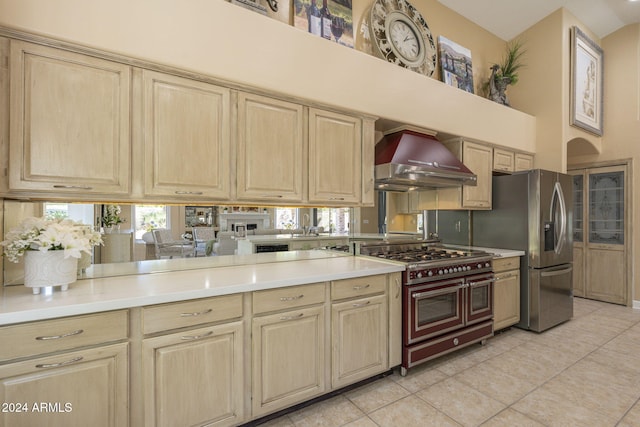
(532, 211)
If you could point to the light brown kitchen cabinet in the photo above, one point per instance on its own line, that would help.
(193, 374)
(271, 150)
(359, 329)
(49, 364)
(479, 159)
(394, 295)
(523, 162)
(288, 347)
(69, 123)
(194, 377)
(506, 292)
(335, 158)
(186, 132)
(503, 160)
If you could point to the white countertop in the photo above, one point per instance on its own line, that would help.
(292, 237)
(18, 304)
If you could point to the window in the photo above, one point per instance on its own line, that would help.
(75, 211)
(286, 218)
(148, 217)
(333, 220)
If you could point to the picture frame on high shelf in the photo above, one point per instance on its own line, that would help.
(455, 64)
(335, 26)
(587, 68)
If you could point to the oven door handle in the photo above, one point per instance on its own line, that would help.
(481, 282)
(438, 292)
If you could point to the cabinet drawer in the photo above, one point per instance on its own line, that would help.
(48, 336)
(359, 286)
(285, 298)
(504, 264)
(164, 317)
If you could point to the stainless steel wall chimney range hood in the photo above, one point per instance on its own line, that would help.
(409, 160)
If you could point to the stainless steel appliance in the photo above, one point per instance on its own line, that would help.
(407, 159)
(447, 298)
(532, 211)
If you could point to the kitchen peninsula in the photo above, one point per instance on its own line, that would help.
(257, 335)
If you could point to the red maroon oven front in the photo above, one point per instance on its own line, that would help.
(441, 316)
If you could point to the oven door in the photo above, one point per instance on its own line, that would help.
(479, 293)
(433, 309)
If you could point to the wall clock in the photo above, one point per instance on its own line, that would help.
(400, 35)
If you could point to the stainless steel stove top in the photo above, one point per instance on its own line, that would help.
(429, 260)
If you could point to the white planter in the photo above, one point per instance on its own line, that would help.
(51, 268)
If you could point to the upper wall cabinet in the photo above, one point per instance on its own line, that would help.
(271, 154)
(69, 122)
(186, 132)
(479, 159)
(335, 158)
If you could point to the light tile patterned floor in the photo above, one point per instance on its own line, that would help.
(585, 372)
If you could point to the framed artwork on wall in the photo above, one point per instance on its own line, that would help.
(455, 64)
(330, 19)
(587, 67)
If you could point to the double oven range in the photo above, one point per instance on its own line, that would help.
(447, 298)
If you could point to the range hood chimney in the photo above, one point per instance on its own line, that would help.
(410, 160)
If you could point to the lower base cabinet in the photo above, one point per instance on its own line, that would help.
(288, 358)
(506, 292)
(194, 377)
(359, 339)
(80, 388)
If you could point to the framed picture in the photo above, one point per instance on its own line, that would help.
(334, 24)
(455, 64)
(587, 66)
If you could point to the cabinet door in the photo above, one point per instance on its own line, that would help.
(335, 158)
(70, 128)
(288, 358)
(503, 160)
(194, 377)
(81, 388)
(523, 162)
(186, 138)
(506, 306)
(359, 334)
(478, 159)
(270, 149)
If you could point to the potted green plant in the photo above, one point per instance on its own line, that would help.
(506, 73)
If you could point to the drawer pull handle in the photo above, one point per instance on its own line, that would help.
(57, 337)
(292, 298)
(297, 316)
(73, 187)
(336, 198)
(276, 196)
(196, 337)
(362, 304)
(360, 287)
(198, 193)
(197, 313)
(56, 365)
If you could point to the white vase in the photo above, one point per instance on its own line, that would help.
(84, 262)
(50, 268)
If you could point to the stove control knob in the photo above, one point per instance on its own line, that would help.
(430, 273)
(468, 267)
(419, 274)
(440, 272)
(488, 264)
(479, 265)
(451, 270)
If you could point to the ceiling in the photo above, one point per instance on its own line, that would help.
(508, 18)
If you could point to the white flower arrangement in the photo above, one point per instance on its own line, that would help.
(44, 234)
(112, 216)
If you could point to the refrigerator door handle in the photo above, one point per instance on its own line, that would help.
(556, 272)
(559, 196)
